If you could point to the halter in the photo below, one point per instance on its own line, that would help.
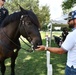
(22, 22)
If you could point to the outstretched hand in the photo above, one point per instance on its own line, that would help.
(40, 48)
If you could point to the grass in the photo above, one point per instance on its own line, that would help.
(35, 63)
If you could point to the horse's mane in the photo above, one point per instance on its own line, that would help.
(10, 18)
(16, 16)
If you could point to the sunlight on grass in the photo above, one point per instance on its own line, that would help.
(60, 71)
(8, 64)
(43, 34)
(27, 58)
(60, 65)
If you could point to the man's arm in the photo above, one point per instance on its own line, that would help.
(51, 49)
(56, 50)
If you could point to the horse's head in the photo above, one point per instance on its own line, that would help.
(29, 27)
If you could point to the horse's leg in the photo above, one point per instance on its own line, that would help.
(14, 57)
(3, 68)
(13, 63)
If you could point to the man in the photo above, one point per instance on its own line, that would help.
(69, 46)
(3, 11)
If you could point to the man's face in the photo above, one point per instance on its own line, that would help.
(71, 23)
(2, 2)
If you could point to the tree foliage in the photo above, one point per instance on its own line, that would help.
(41, 12)
(68, 4)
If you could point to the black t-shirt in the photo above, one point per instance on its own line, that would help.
(3, 14)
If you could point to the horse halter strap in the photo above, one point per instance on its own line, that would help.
(22, 22)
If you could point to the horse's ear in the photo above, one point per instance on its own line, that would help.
(21, 8)
(31, 10)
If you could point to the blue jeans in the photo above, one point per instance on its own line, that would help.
(70, 70)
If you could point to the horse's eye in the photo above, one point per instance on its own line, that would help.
(29, 23)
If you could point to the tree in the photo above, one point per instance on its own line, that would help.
(41, 12)
(44, 16)
(68, 4)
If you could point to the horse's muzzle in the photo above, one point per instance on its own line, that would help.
(35, 43)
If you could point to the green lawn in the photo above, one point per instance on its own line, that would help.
(35, 63)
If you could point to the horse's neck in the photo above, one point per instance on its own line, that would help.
(12, 30)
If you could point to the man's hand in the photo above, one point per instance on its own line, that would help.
(40, 48)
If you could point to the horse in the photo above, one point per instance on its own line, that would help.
(23, 22)
(57, 40)
(64, 33)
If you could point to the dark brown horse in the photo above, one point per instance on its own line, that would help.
(23, 23)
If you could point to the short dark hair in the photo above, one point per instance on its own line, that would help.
(3, 0)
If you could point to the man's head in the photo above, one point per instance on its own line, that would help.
(71, 19)
(2, 2)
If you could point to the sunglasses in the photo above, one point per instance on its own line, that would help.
(70, 20)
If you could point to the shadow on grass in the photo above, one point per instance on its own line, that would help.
(35, 63)
(58, 62)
